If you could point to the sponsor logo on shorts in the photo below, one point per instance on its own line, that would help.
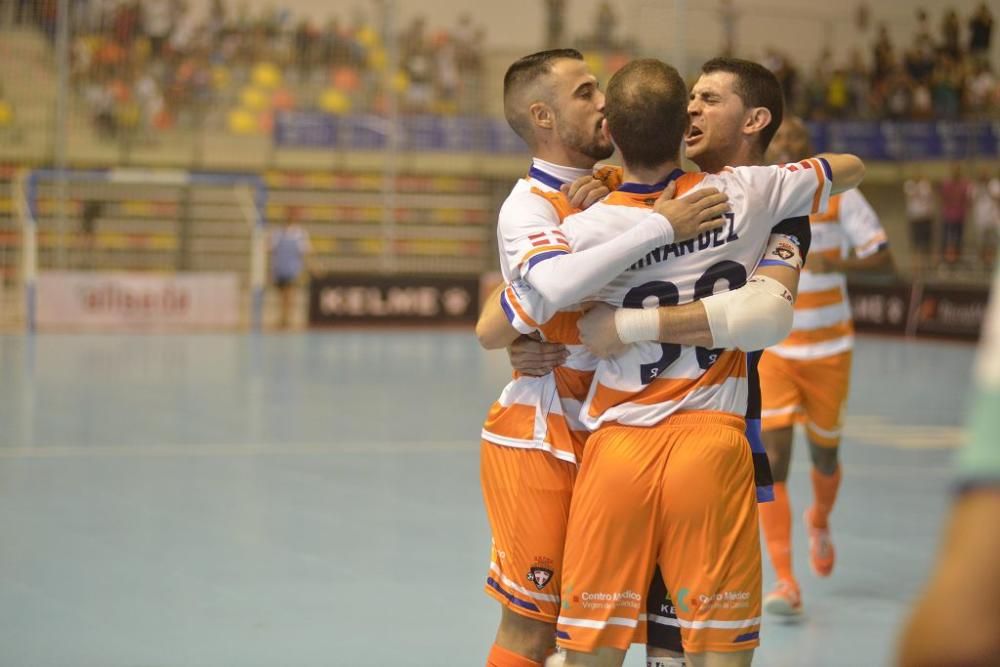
(567, 594)
(687, 601)
(615, 600)
(682, 600)
(724, 600)
(539, 576)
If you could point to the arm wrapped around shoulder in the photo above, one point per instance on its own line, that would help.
(750, 318)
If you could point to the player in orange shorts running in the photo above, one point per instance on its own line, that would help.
(806, 377)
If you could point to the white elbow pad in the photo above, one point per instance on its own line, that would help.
(750, 318)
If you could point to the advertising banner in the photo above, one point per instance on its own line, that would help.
(393, 300)
(124, 301)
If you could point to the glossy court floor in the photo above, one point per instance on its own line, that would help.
(313, 499)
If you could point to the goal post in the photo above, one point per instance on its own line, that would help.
(141, 224)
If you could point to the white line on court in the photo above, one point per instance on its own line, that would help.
(232, 449)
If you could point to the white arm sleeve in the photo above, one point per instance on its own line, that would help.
(564, 280)
(750, 318)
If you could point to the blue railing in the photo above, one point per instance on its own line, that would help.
(873, 140)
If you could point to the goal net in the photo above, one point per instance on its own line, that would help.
(127, 249)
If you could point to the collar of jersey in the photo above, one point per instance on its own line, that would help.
(643, 189)
(545, 177)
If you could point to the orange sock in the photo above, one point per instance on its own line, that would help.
(825, 491)
(501, 657)
(776, 519)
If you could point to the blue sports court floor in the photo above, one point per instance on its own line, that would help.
(313, 499)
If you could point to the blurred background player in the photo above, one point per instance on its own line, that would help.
(806, 377)
(966, 578)
(290, 259)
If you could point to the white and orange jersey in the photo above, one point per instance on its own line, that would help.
(650, 381)
(822, 325)
(541, 413)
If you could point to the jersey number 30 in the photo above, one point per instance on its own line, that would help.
(668, 295)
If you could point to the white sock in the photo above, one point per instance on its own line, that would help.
(556, 660)
(664, 661)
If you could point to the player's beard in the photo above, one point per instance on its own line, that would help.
(592, 144)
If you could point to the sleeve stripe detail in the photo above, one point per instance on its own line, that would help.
(544, 256)
(820, 182)
(826, 168)
(512, 300)
(508, 311)
(549, 248)
(878, 243)
(776, 262)
(542, 238)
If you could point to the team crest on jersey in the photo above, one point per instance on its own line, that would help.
(539, 576)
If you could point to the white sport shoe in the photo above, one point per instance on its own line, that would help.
(785, 600)
(557, 659)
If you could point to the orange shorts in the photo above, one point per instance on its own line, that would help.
(527, 494)
(680, 495)
(811, 391)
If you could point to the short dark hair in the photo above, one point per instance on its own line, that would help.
(523, 72)
(646, 109)
(757, 86)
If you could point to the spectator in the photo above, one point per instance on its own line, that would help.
(950, 34)
(980, 31)
(858, 86)
(555, 23)
(605, 25)
(290, 257)
(448, 78)
(920, 208)
(89, 214)
(986, 215)
(920, 59)
(786, 73)
(923, 34)
(955, 191)
(980, 89)
(156, 22)
(898, 95)
(882, 55)
(837, 95)
(946, 88)
(729, 17)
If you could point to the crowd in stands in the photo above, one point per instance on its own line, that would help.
(157, 63)
(941, 74)
(142, 64)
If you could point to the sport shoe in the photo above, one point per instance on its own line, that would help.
(784, 600)
(821, 551)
